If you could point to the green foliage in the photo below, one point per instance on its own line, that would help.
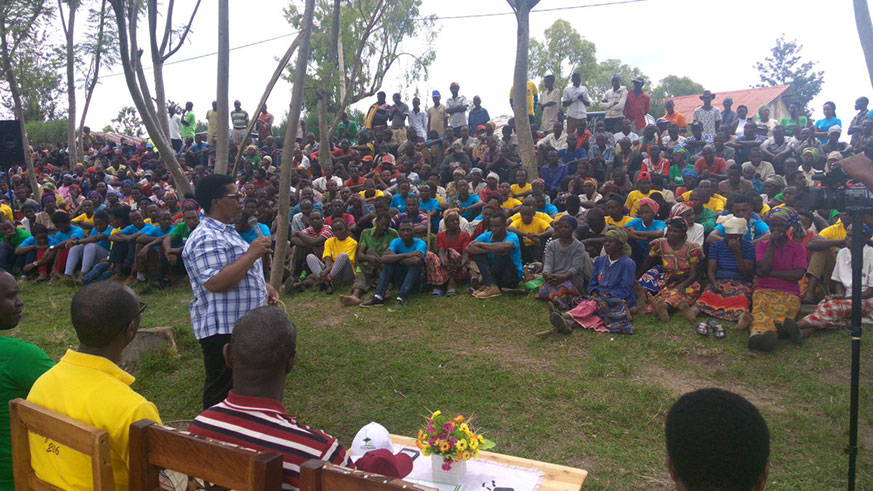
(671, 86)
(52, 131)
(100, 41)
(38, 68)
(128, 123)
(562, 52)
(785, 65)
(377, 29)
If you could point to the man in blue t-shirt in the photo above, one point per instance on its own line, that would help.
(402, 263)
(60, 242)
(124, 241)
(147, 246)
(498, 255)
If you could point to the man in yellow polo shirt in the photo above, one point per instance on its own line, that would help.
(716, 202)
(87, 385)
(822, 257)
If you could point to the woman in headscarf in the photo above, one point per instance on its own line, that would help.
(566, 266)
(74, 199)
(126, 190)
(730, 268)
(670, 278)
(644, 229)
(450, 263)
(765, 121)
(589, 197)
(610, 292)
(781, 263)
(695, 230)
(49, 207)
(835, 311)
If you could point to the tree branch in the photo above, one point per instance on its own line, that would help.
(168, 27)
(184, 33)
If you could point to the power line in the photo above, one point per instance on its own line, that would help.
(436, 18)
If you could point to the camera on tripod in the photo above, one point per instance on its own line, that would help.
(835, 192)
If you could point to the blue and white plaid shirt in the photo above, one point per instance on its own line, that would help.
(210, 247)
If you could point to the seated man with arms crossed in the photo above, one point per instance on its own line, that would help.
(261, 353)
(88, 386)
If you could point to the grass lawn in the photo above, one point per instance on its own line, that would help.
(588, 400)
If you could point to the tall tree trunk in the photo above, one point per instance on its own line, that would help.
(519, 94)
(288, 150)
(157, 128)
(221, 140)
(280, 68)
(865, 32)
(17, 108)
(325, 159)
(89, 88)
(69, 31)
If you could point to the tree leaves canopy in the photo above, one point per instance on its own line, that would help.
(785, 65)
(562, 52)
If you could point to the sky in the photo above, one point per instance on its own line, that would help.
(714, 42)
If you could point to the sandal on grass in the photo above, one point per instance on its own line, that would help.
(437, 292)
(702, 329)
(717, 329)
(451, 292)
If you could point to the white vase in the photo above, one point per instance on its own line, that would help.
(452, 476)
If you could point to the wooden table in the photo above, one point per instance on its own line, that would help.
(555, 477)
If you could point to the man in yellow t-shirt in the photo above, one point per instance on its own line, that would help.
(822, 257)
(532, 98)
(88, 386)
(521, 188)
(615, 212)
(338, 266)
(508, 203)
(533, 230)
(716, 201)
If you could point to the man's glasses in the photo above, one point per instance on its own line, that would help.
(142, 307)
(234, 196)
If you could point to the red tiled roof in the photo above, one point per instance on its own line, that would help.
(751, 98)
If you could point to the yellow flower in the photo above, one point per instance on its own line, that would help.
(465, 428)
(435, 414)
(462, 445)
(481, 438)
(474, 444)
(426, 450)
(467, 455)
(444, 446)
(418, 444)
(476, 454)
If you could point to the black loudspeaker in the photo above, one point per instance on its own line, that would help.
(11, 145)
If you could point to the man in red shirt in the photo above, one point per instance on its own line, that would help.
(709, 166)
(637, 105)
(262, 351)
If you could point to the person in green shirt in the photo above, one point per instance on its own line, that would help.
(10, 238)
(350, 128)
(794, 121)
(189, 121)
(371, 246)
(21, 363)
(705, 216)
(171, 248)
(678, 164)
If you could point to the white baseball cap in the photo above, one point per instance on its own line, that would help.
(373, 436)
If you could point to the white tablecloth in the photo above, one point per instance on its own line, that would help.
(479, 472)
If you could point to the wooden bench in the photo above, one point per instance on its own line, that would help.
(26, 417)
(318, 475)
(154, 447)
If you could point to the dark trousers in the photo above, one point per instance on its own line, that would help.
(498, 271)
(612, 125)
(7, 256)
(405, 277)
(122, 255)
(164, 267)
(177, 145)
(531, 253)
(219, 378)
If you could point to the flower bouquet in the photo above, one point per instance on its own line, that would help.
(450, 441)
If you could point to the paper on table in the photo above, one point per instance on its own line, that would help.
(479, 472)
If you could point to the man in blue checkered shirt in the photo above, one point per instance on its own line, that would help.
(227, 278)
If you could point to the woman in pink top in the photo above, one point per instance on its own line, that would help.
(781, 263)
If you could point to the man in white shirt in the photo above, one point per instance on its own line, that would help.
(575, 101)
(456, 107)
(550, 102)
(708, 115)
(418, 119)
(613, 103)
(320, 184)
(175, 130)
(556, 140)
(626, 132)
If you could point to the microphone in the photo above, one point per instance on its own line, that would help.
(253, 223)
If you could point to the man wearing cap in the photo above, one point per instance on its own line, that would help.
(672, 116)
(240, 120)
(833, 143)
(418, 120)
(457, 158)
(456, 107)
(637, 105)
(437, 117)
(550, 102)
(261, 353)
(575, 101)
(708, 116)
(613, 103)
(478, 115)
(728, 116)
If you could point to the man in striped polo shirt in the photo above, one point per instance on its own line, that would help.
(261, 353)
